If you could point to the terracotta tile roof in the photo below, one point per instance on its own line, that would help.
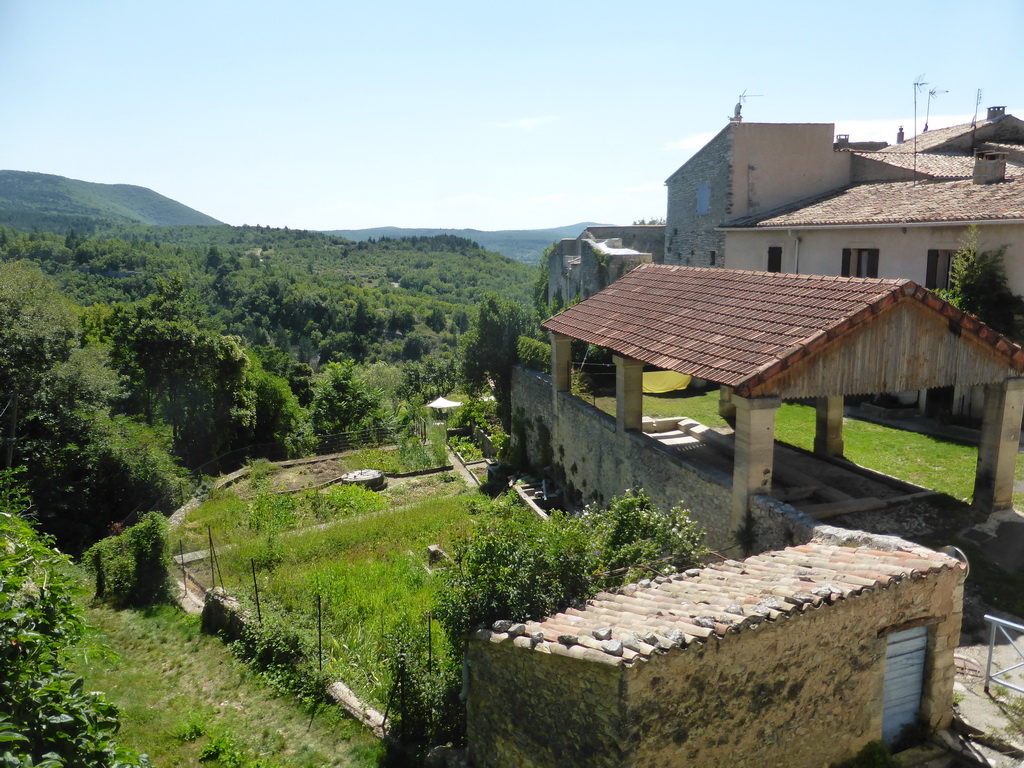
(899, 202)
(935, 165)
(719, 600)
(933, 139)
(742, 328)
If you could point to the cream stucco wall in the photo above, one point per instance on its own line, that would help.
(903, 251)
(777, 163)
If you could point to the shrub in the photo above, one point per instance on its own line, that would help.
(47, 717)
(131, 567)
(534, 354)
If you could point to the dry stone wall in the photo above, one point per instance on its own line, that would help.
(803, 690)
(534, 709)
(582, 449)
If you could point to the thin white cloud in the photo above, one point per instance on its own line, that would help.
(527, 123)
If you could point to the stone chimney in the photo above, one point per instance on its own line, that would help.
(899, 135)
(996, 113)
(989, 166)
(842, 141)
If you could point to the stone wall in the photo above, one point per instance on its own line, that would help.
(690, 237)
(582, 267)
(581, 449)
(804, 691)
(540, 709)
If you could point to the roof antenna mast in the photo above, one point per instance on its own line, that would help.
(737, 117)
(934, 93)
(919, 84)
(977, 103)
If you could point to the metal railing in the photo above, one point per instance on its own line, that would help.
(1000, 675)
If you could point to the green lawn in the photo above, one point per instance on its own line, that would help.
(183, 695)
(942, 465)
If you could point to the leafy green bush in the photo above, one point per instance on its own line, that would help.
(131, 567)
(534, 354)
(46, 716)
(516, 566)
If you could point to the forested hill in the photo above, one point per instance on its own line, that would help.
(50, 203)
(524, 245)
(307, 294)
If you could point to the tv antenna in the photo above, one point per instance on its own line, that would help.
(934, 93)
(919, 84)
(737, 117)
(977, 103)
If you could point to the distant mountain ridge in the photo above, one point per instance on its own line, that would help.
(45, 201)
(524, 245)
(48, 203)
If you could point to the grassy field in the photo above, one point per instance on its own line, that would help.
(946, 466)
(368, 567)
(186, 701)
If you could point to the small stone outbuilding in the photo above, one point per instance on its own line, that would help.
(797, 657)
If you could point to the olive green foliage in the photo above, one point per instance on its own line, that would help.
(978, 285)
(632, 531)
(515, 566)
(46, 716)
(342, 403)
(489, 351)
(131, 567)
(87, 465)
(534, 354)
(875, 754)
(189, 375)
(310, 294)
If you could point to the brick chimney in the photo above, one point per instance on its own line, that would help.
(989, 166)
(996, 113)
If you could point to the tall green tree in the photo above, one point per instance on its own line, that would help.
(978, 285)
(37, 333)
(187, 374)
(342, 402)
(489, 349)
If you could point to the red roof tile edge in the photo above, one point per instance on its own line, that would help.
(648, 622)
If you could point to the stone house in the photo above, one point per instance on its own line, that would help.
(797, 657)
(790, 198)
(581, 266)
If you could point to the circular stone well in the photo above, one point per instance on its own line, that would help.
(373, 479)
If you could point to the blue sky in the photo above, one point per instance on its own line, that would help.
(337, 115)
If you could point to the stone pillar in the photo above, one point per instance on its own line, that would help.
(755, 447)
(1000, 440)
(561, 360)
(828, 426)
(726, 409)
(629, 393)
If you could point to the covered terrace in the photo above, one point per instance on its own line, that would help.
(765, 337)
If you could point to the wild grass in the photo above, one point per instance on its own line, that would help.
(370, 571)
(184, 699)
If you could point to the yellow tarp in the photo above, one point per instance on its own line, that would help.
(656, 382)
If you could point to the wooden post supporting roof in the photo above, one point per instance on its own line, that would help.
(1000, 441)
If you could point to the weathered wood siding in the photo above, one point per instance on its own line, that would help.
(906, 346)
